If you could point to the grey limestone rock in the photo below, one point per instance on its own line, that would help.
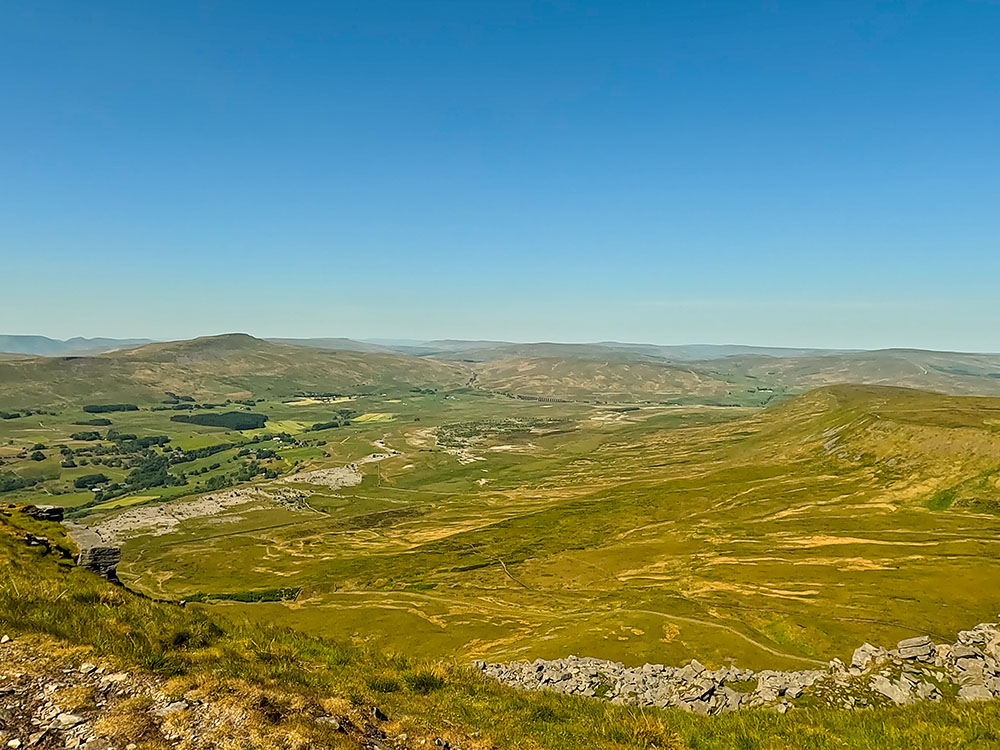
(101, 560)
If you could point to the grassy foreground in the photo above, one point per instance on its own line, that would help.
(44, 596)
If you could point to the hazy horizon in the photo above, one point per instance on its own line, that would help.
(403, 341)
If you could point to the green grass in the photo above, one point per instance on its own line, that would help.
(942, 499)
(511, 529)
(657, 536)
(268, 595)
(42, 596)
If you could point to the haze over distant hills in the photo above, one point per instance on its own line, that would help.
(215, 367)
(488, 349)
(43, 346)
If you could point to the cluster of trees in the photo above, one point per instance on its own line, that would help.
(126, 442)
(173, 398)
(186, 407)
(325, 425)
(87, 481)
(23, 413)
(343, 419)
(246, 472)
(103, 408)
(95, 422)
(150, 471)
(181, 457)
(231, 420)
(9, 481)
(88, 435)
(259, 453)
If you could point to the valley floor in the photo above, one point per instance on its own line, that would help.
(469, 526)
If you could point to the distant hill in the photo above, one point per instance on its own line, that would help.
(43, 346)
(608, 379)
(483, 351)
(213, 368)
(945, 372)
(337, 344)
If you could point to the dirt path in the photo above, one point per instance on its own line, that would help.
(734, 631)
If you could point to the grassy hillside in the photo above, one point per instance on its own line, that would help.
(237, 366)
(619, 378)
(659, 374)
(945, 372)
(213, 368)
(424, 515)
(266, 687)
(505, 529)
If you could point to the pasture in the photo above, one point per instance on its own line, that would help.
(481, 526)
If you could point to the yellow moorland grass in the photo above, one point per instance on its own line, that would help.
(44, 597)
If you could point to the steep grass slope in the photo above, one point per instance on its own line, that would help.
(265, 687)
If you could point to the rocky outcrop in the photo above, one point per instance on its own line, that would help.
(53, 699)
(916, 670)
(44, 512)
(96, 555)
(101, 560)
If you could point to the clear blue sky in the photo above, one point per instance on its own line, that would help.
(798, 173)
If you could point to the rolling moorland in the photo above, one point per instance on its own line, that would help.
(480, 500)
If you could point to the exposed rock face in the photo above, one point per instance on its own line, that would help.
(101, 560)
(44, 512)
(916, 670)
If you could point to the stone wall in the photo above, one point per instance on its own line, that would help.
(917, 669)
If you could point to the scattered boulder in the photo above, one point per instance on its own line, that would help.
(66, 721)
(895, 691)
(867, 655)
(921, 647)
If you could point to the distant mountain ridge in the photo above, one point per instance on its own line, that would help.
(237, 365)
(43, 346)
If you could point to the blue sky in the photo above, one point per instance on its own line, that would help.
(821, 173)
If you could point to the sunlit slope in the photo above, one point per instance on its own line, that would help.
(212, 368)
(909, 441)
(851, 513)
(945, 372)
(617, 378)
(269, 686)
(592, 372)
